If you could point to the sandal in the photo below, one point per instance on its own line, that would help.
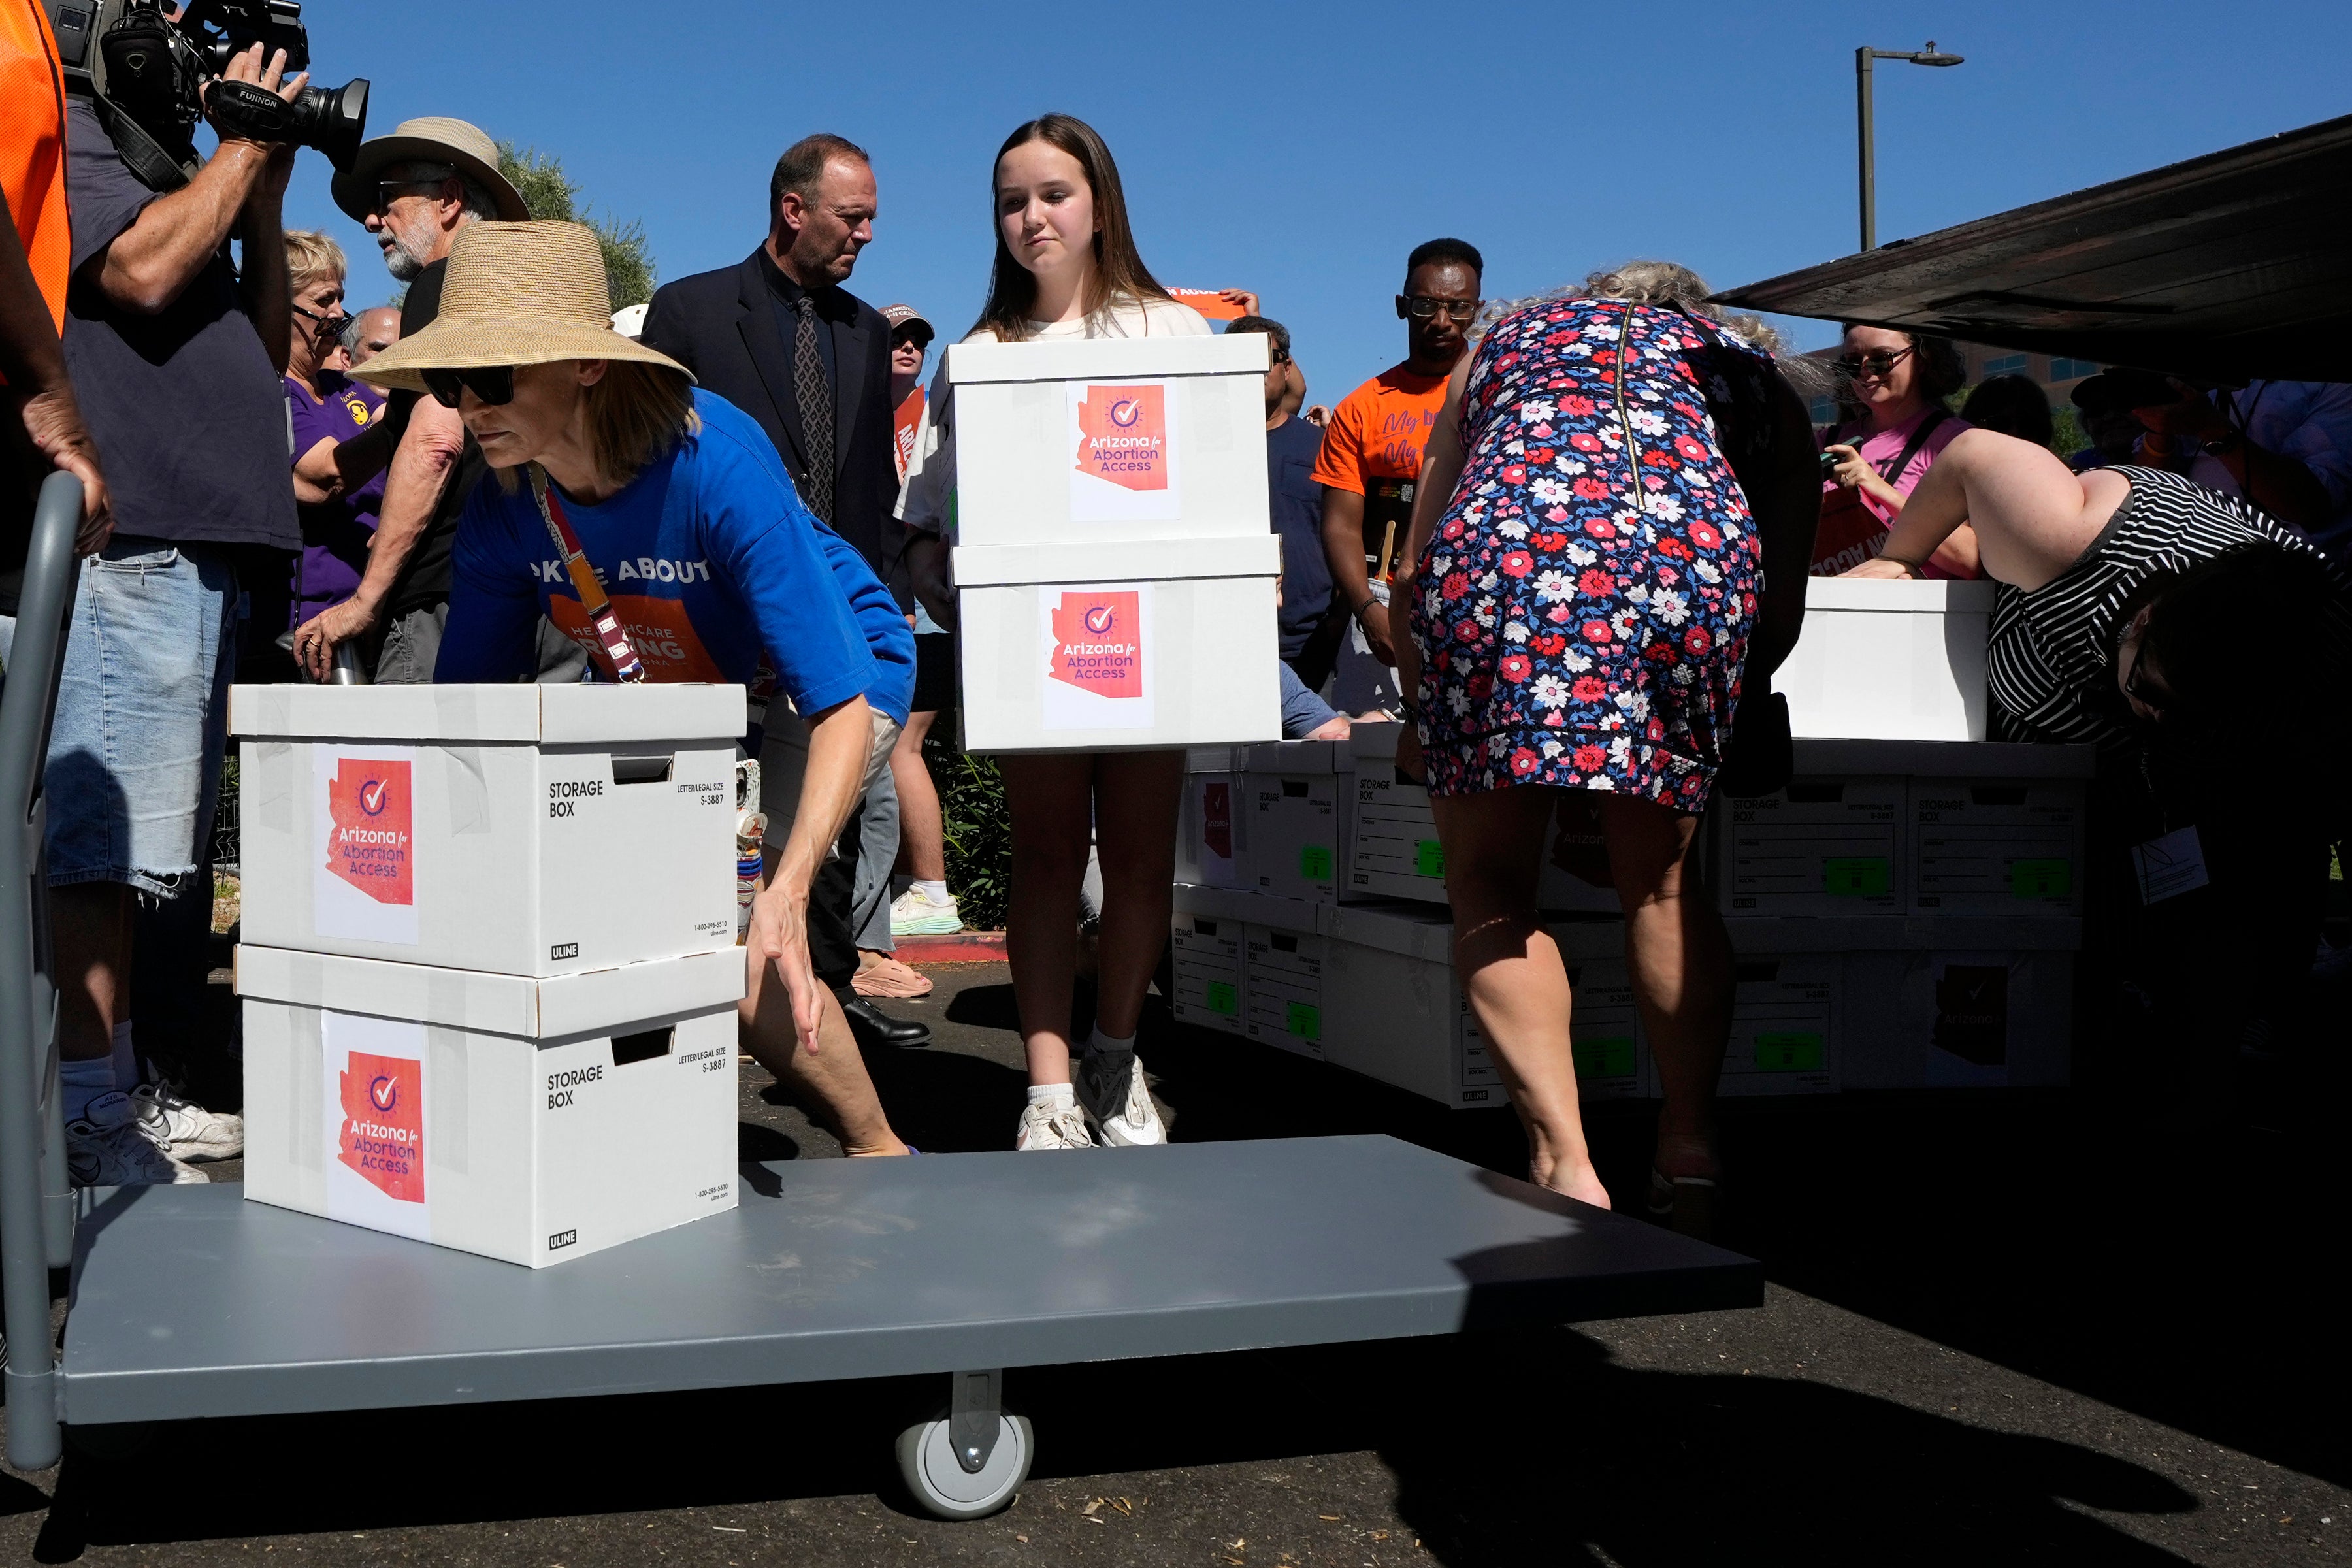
(1684, 1204)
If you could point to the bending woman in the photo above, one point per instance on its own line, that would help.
(1588, 588)
(1066, 267)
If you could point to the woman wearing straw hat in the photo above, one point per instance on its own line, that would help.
(612, 469)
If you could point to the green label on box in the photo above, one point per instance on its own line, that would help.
(1859, 877)
(1304, 1021)
(1315, 863)
(1222, 998)
(1794, 1052)
(1610, 1056)
(2041, 878)
(1429, 858)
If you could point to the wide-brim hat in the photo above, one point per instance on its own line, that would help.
(434, 138)
(516, 293)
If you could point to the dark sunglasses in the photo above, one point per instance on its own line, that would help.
(1877, 363)
(493, 383)
(1425, 306)
(333, 326)
(2145, 691)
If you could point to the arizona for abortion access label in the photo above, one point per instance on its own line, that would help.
(373, 1111)
(1098, 648)
(364, 804)
(1125, 452)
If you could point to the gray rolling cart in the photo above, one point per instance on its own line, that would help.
(957, 1266)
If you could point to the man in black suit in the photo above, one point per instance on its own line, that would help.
(780, 337)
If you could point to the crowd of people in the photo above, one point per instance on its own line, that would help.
(1564, 541)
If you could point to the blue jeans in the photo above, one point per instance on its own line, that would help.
(142, 715)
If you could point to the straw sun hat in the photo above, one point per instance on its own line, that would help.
(516, 293)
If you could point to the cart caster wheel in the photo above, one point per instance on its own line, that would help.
(927, 1462)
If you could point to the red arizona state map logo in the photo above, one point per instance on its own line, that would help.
(1098, 642)
(368, 841)
(384, 1124)
(1123, 436)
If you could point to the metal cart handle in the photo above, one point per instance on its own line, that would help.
(35, 1204)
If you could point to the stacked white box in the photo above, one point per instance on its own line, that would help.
(1207, 963)
(1113, 567)
(1210, 821)
(1299, 800)
(1997, 829)
(1974, 1003)
(1889, 659)
(1830, 843)
(1282, 987)
(535, 830)
(1397, 854)
(489, 975)
(532, 1121)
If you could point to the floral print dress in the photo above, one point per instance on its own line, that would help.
(1583, 609)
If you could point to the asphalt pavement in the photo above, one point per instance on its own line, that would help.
(2001, 1328)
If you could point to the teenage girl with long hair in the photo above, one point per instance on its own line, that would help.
(1066, 267)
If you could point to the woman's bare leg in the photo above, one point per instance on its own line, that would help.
(1136, 796)
(2032, 516)
(1679, 959)
(1051, 801)
(922, 850)
(1510, 970)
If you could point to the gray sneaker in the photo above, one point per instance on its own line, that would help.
(109, 1146)
(185, 1130)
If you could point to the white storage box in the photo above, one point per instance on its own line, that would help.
(1119, 644)
(1822, 846)
(1889, 659)
(1973, 1004)
(1396, 853)
(1069, 442)
(1300, 801)
(1210, 821)
(1282, 988)
(1997, 829)
(1784, 1025)
(1393, 1012)
(519, 829)
(1207, 962)
(532, 1121)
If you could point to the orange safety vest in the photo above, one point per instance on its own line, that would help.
(33, 145)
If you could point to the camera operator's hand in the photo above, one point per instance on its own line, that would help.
(247, 66)
(315, 639)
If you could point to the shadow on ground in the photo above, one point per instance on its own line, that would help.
(1567, 1447)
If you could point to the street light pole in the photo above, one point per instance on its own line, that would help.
(1862, 74)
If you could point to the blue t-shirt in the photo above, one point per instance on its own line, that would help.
(709, 558)
(1296, 503)
(889, 637)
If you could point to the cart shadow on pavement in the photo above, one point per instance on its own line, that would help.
(1654, 1468)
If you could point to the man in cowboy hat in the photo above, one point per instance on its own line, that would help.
(415, 191)
(653, 521)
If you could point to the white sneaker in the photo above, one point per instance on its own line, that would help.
(109, 1146)
(911, 914)
(1137, 1123)
(185, 1130)
(1053, 1127)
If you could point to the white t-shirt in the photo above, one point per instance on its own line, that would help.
(927, 501)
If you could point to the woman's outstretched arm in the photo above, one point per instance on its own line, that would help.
(2033, 518)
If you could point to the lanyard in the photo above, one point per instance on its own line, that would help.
(626, 666)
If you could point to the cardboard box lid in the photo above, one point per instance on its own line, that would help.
(1257, 554)
(1823, 758)
(1899, 595)
(1250, 907)
(1413, 930)
(595, 1002)
(1794, 935)
(1212, 759)
(1376, 740)
(1108, 359)
(1297, 757)
(529, 715)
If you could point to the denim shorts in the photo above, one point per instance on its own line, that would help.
(142, 715)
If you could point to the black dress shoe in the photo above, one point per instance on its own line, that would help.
(873, 1027)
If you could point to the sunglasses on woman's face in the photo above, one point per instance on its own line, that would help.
(1873, 364)
(494, 385)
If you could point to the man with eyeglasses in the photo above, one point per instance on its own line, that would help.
(1371, 455)
(412, 191)
(1292, 447)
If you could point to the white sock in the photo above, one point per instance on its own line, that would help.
(1101, 1042)
(931, 892)
(1060, 1096)
(83, 1082)
(126, 1059)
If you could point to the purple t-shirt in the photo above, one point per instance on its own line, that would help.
(335, 533)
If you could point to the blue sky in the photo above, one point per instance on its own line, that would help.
(1303, 150)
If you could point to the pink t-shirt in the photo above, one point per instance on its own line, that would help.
(1846, 514)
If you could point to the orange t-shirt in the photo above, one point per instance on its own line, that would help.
(33, 145)
(1373, 448)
